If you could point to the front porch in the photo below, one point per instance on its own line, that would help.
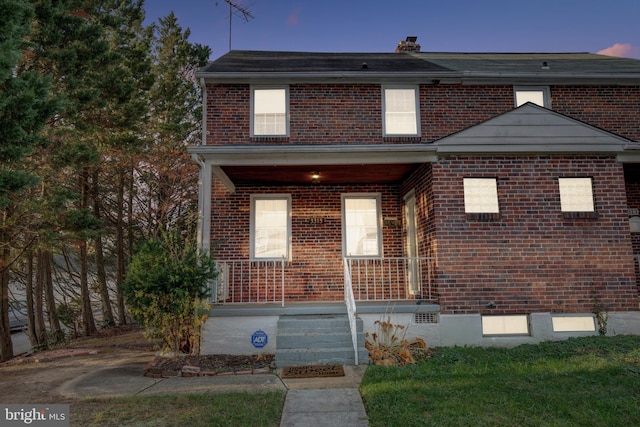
(254, 294)
(367, 279)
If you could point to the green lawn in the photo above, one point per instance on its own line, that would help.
(203, 410)
(592, 381)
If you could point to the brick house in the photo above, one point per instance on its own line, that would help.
(477, 198)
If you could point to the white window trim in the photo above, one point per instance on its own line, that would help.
(286, 107)
(252, 237)
(377, 197)
(546, 94)
(416, 90)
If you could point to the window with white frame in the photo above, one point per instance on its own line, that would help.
(538, 95)
(481, 195)
(270, 226)
(517, 324)
(576, 195)
(361, 225)
(400, 106)
(269, 111)
(573, 323)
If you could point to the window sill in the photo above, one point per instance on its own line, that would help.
(483, 217)
(580, 215)
(402, 138)
(266, 138)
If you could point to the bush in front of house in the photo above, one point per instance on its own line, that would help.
(166, 290)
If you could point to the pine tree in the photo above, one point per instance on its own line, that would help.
(25, 106)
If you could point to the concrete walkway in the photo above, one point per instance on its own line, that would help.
(331, 402)
(314, 402)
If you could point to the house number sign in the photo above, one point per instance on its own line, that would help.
(315, 220)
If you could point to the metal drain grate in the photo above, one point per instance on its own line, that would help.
(425, 318)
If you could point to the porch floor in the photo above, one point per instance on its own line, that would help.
(337, 307)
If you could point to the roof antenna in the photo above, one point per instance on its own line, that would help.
(240, 11)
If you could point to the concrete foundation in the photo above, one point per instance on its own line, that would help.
(247, 331)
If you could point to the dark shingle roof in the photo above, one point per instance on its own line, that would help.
(525, 68)
(267, 61)
(580, 63)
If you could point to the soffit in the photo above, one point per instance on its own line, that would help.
(329, 174)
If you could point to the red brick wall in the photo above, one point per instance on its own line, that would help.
(531, 258)
(613, 108)
(350, 113)
(316, 270)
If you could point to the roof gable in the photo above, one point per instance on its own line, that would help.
(531, 129)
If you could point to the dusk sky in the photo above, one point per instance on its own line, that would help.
(605, 26)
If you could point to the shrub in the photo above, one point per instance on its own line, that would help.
(389, 347)
(165, 290)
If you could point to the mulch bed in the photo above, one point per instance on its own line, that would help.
(208, 365)
(313, 371)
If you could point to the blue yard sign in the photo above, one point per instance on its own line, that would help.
(259, 339)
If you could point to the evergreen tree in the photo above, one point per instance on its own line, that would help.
(25, 106)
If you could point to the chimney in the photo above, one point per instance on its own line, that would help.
(408, 45)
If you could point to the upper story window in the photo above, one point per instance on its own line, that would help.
(538, 95)
(270, 226)
(481, 195)
(576, 195)
(400, 106)
(269, 111)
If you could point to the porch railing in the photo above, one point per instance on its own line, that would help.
(381, 279)
(245, 282)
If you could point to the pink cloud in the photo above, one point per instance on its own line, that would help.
(624, 50)
(293, 18)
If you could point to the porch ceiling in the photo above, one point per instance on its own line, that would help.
(329, 174)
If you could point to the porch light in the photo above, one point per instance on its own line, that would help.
(315, 177)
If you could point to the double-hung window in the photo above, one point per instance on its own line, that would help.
(538, 95)
(400, 105)
(270, 227)
(361, 225)
(269, 111)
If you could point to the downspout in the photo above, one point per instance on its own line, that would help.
(203, 85)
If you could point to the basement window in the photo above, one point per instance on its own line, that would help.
(573, 324)
(505, 325)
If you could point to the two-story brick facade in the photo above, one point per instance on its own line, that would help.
(480, 198)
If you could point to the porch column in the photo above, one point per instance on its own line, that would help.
(204, 205)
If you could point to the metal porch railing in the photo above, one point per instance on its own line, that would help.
(245, 282)
(382, 279)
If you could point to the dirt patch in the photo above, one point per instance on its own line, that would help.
(36, 378)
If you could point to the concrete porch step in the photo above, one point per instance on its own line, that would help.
(317, 339)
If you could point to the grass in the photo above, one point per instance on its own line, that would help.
(231, 409)
(591, 381)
